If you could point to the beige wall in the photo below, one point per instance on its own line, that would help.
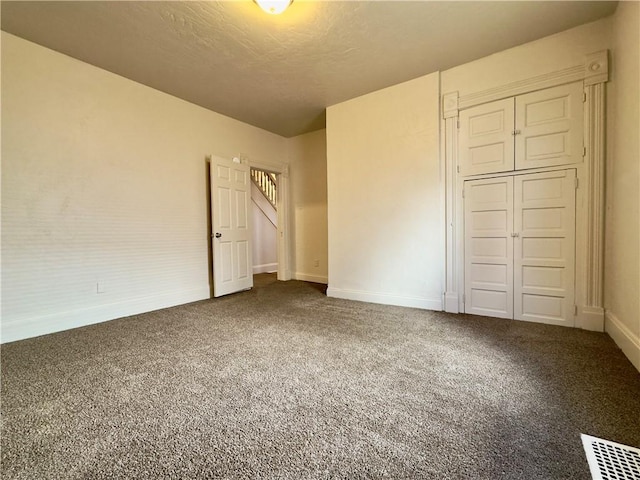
(622, 258)
(385, 222)
(307, 156)
(104, 181)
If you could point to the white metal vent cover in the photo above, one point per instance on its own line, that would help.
(610, 460)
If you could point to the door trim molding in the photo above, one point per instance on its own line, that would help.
(548, 80)
(594, 72)
(282, 207)
(594, 140)
(452, 299)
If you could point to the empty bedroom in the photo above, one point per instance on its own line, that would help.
(320, 239)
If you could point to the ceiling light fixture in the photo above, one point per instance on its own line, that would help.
(274, 7)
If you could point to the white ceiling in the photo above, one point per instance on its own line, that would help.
(281, 72)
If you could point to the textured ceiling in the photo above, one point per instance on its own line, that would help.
(281, 72)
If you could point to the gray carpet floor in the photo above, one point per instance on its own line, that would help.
(283, 382)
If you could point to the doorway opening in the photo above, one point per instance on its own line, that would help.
(264, 213)
(280, 174)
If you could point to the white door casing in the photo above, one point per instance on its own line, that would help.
(549, 127)
(282, 172)
(489, 247)
(544, 250)
(231, 225)
(486, 138)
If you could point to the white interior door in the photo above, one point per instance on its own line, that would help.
(486, 138)
(489, 247)
(544, 250)
(549, 127)
(231, 223)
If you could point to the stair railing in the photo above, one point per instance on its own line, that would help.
(266, 182)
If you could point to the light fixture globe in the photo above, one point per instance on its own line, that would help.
(274, 7)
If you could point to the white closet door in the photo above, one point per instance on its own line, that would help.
(549, 127)
(544, 250)
(486, 138)
(489, 247)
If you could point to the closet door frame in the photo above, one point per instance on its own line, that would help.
(589, 194)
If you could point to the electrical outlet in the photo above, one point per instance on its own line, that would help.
(99, 288)
(316, 263)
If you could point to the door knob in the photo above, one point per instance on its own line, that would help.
(218, 234)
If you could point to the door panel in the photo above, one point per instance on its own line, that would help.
(550, 279)
(550, 127)
(225, 263)
(492, 303)
(486, 140)
(223, 207)
(487, 273)
(230, 195)
(544, 250)
(488, 247)
(544, 219)
(243, 259)
(544, 309)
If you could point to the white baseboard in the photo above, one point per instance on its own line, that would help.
(628, 342)
(386, 299)
(451, 303)
(306, 277)
(266, 268)
(12, 331)
(592, 318)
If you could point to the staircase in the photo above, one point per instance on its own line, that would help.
(266, 183)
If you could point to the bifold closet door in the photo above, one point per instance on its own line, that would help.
(544, 247)
(489, 247)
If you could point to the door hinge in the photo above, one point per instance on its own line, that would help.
(575, 310)
(458, 124)
(463, 193)
(458, 168)
(576, 182)
(584, 151)
(584, 97)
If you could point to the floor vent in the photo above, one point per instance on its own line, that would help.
(611, 461)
